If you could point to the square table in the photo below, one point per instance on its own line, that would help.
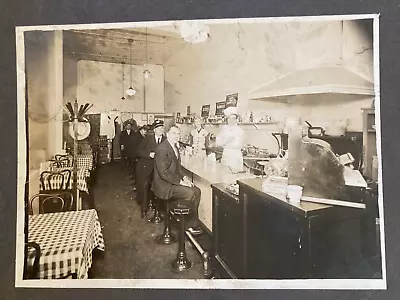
(66, 241)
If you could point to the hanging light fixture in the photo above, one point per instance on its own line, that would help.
(131, 91)
(123, 81)
(146, 72)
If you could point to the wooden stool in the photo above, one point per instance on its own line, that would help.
(167, 237)
(180, 210)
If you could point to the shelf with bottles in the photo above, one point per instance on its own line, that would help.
(243, 123)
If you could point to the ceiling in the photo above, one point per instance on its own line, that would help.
(112, 45)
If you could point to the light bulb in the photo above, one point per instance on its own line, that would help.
(146, 74)
(131, 91)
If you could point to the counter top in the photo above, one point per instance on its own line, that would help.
(302, 207)
(217, 173)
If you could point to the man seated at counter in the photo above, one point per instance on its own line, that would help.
(231, 138)
(199, 139)
(169, 182)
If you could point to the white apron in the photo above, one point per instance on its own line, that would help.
(231, 138)
(233, 158)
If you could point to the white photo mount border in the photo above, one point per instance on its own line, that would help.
(345, 284)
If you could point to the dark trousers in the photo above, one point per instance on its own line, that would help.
(192, 194)
(143, 191)
(132, 162)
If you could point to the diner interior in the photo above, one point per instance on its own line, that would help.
(304, 96)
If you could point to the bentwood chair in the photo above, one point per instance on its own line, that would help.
(55, 180)
(56, 183)
(31, 267)
(47, 203)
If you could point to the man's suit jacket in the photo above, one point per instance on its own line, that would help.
(145, 166)
(131, 142)
(167, 170)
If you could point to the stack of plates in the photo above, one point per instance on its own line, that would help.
(275, 185)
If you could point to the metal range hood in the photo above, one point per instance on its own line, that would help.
(318, 80)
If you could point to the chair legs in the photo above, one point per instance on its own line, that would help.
(167, 237)
(181, 263)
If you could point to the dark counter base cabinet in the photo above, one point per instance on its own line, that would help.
(257, 236)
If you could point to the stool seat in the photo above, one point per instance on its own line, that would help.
(182, 207)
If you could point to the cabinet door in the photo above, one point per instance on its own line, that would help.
(228, 233)
(277, 241)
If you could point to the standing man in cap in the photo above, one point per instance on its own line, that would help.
(145, 165)
(231, 138)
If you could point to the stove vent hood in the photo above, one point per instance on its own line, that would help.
(318, 80)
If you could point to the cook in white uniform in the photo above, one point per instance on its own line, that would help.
(231, 138)
(199, 137)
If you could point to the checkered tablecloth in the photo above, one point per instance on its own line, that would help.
(55, 182)
(82, 161)
(85, 161)
(66, 240)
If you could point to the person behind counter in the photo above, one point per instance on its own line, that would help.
(231, 139)
(199, 139)
(169, 182)
(145, 165)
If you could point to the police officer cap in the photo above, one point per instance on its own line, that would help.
(158, 123)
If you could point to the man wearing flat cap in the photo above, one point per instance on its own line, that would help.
(145, 165)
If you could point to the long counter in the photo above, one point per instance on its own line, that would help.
(203, 175)
(258, 235)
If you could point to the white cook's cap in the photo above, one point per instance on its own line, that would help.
(231, 111)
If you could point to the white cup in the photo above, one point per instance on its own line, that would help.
(294, 193)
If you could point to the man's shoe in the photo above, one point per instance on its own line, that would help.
(195, 230)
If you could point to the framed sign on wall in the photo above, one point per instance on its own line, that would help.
(219, 108)
(205, 111)
(231, 100)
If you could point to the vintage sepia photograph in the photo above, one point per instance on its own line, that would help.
(218, 153)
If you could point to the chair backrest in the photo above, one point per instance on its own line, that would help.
(31, 270)
(64, 162)
(59, 180)
(55, 202)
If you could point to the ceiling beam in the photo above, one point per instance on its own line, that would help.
(156, 39)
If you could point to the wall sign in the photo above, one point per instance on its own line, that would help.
(231, 100)
(219, 108)
(205, 111)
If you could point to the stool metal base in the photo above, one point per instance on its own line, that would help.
(166, 238)
(181, 263)
(156, 219)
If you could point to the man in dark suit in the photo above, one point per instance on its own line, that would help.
(145, 165)
(169, 182)
(129, 142)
